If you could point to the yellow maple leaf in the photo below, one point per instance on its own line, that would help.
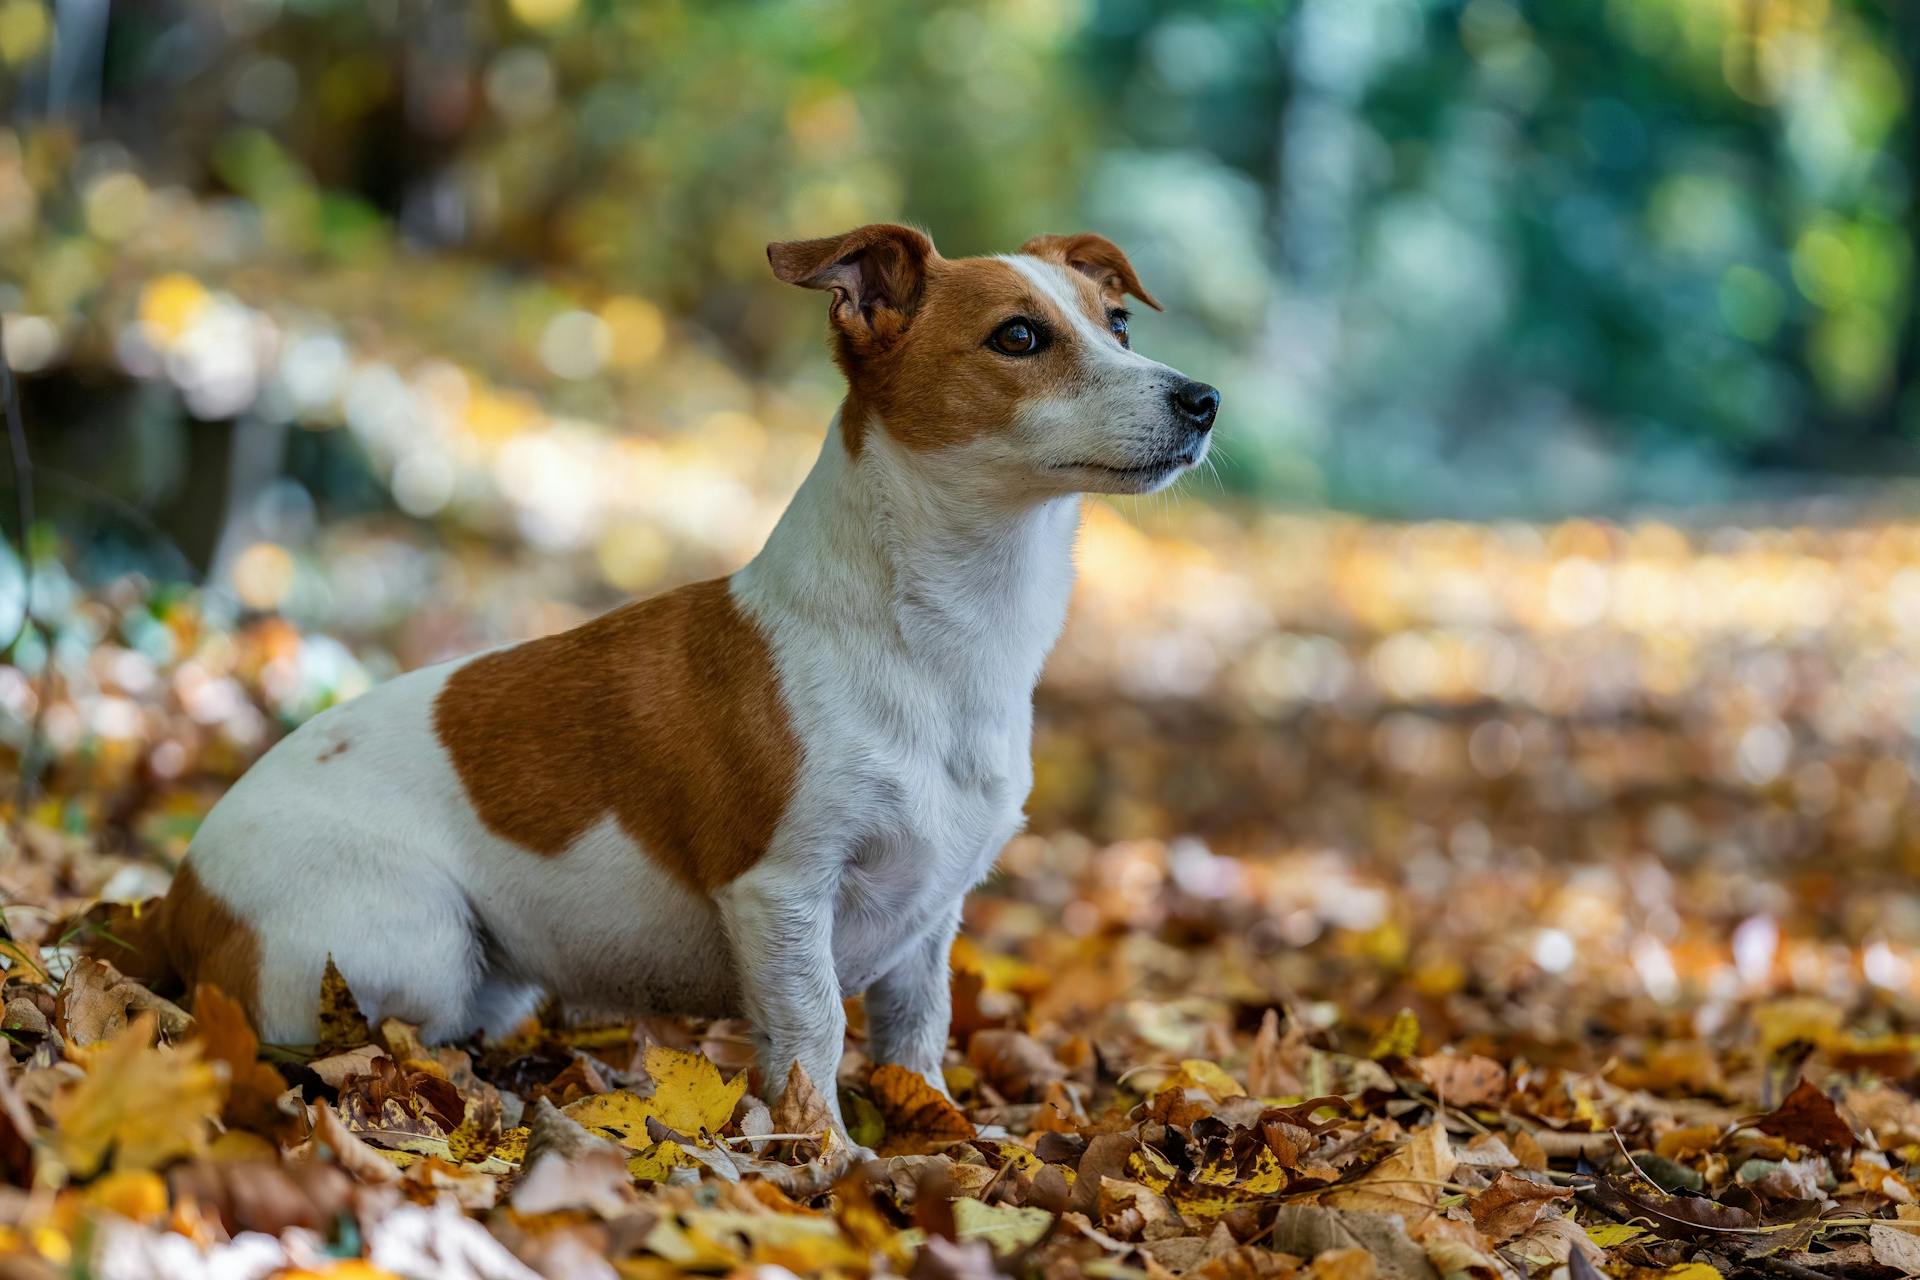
(689, 1096)
(657, 1161)
(142, 1104)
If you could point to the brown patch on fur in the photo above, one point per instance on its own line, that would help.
(665, 713)
(206, 942)
(337, 749)
(911, 327)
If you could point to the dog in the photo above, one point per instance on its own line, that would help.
(754, 795)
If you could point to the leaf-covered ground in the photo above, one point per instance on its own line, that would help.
(1402, 902)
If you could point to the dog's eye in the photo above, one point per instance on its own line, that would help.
(1117, 322)
(1017, 337)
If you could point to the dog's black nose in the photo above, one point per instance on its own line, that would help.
(1196, 402)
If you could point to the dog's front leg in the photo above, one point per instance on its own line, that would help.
(779, 924)
(910, 1008)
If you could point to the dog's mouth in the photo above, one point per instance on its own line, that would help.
(1145, 471)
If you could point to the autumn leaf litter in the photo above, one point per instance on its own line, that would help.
(154, 1141)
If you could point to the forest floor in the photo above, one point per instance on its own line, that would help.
(1416, 935)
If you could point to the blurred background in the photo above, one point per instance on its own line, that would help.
(1562, 539)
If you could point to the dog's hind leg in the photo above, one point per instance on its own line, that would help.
(407, 951)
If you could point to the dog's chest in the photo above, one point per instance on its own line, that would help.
(936, 806)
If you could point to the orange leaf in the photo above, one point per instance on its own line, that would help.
(918, 1116)
(253, 1087)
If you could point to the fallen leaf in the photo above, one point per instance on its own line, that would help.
(918, 1117)
(349, 1152)
(144, 1105)
(1308, 1231)
(96, 1002)
(1809, 1118)
(1512, 1205)
(1400, 1039)
(1408, 1182)
(1342, 1264)
(1270, 1069)
(580, 1079)
(263, 1195)
(800, 1108)
(342, 1025)
(1004, 1228)
(689, 1097)
(1013, 1062)
(335, 1069)
(1463, 1079)
(253, 1087)
(594, 1182)
(400, 1100)
(1893, 1247)
(1208, 1077)
(1870, 1170)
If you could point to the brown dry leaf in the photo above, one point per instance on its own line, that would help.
(336, 1069)
(1134, 1211)
(579, 1080)
(1553, 1242)
(432, 1178)
(342, 1025)
(1488, 1151)
(1527, 1150)
(594, 1181)
(397, 1100)
(1463, 1079)
(1013, 1062)
(142, 1104)
(351, 1154)
(260, 1195)
(96, 1002)
(800, 1109)
(253, 1087)
(1408, 1182)
(1247, 1262)
(1809, 1118)
(1271, 1071)
(1309, 1231)
(918, 1117)
(1896, 1248)
(1512, 1205)
(1886, 1113)
(551, 1132)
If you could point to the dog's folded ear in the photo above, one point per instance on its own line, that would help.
(1097, 258)
(875, 273)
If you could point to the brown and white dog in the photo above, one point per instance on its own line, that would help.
(757, 794)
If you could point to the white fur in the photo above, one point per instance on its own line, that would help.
(909, 600)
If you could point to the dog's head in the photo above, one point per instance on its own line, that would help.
(1018, 364)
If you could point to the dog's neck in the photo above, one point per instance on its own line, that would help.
(972, 583)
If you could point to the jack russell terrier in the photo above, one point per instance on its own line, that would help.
(754, 795)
